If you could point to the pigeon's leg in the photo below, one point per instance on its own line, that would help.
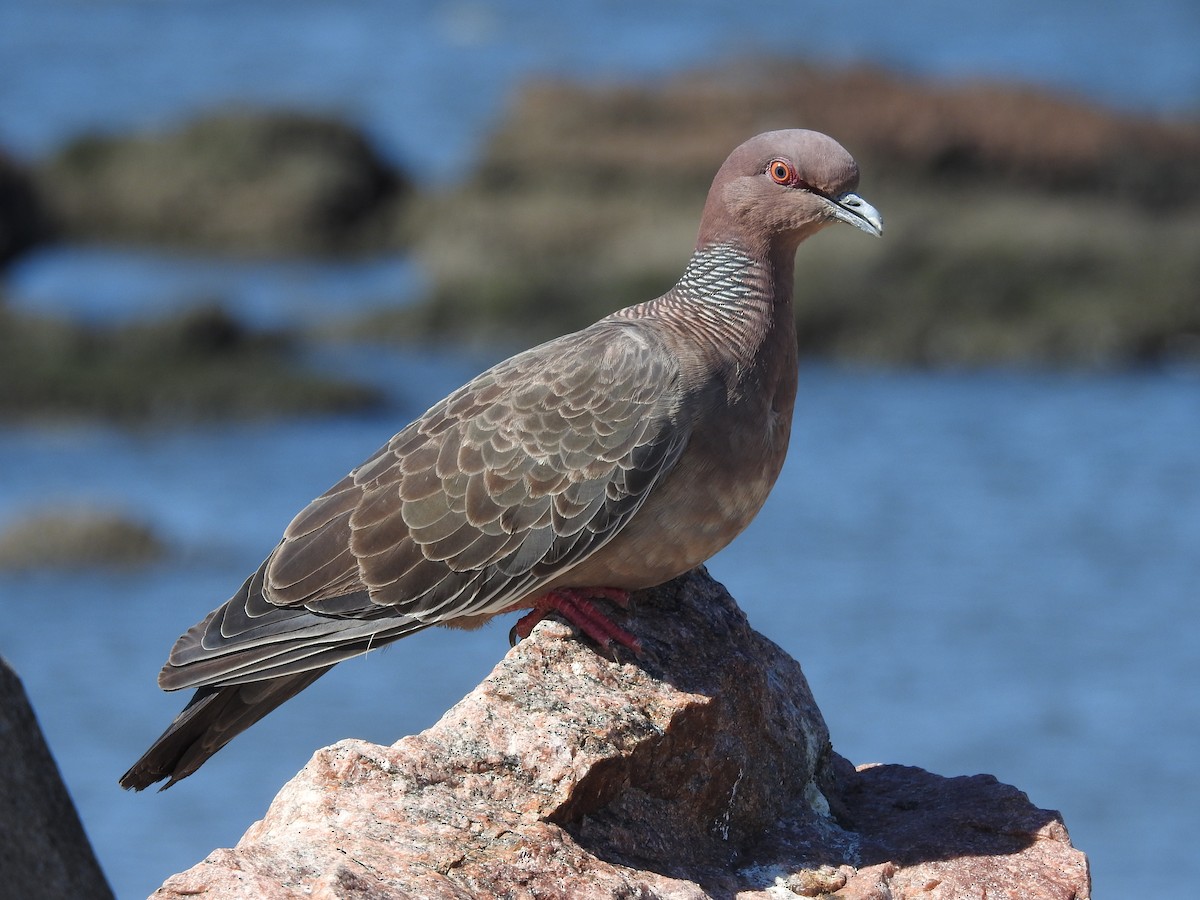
(575, 605)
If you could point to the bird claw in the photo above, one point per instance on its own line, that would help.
(577, 608)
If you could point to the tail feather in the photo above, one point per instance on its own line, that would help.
(214, 717)
(242, 675)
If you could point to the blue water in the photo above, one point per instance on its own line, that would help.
(108, 286)
(989, 572)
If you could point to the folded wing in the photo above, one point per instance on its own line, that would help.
(494, 492)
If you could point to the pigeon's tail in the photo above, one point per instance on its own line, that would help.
(214, 716)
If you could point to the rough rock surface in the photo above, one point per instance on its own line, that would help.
(702, 769)
(44, 852)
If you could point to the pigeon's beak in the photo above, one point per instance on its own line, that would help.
(854, 210)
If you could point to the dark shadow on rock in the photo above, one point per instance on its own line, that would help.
(730, 789)
(696, 800)
(910, 816)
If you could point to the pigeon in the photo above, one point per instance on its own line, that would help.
(602, 462)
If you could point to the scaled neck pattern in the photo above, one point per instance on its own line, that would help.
(725, 300)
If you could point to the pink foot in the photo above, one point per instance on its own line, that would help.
(575, 605)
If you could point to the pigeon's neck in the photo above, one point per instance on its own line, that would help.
(734, 281)
(730, 300)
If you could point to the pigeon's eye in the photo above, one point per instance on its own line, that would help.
(782, 172)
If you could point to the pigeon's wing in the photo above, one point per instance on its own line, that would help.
(495, 491)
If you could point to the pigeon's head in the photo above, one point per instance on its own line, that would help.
(780, 187)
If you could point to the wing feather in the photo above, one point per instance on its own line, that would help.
(520, 474)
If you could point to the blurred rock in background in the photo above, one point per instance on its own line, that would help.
(249, 183)
(1022, 227)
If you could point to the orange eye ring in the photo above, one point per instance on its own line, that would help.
(782, 172)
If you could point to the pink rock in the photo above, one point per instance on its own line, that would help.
(701, 769)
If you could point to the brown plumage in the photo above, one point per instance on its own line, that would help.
(611, 459)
